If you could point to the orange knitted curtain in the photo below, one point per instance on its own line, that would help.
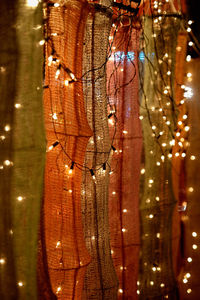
(123, 92)
(67, 133)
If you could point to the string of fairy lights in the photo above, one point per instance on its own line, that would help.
(181, 127)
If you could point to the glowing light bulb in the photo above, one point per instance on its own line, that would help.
(120, 291)
(189, 75)
(151, 283)
(32, 3)
(20, 283)
(190, 43)
(194, 246)
(188, 58)
(189, 259)
(189, 29)
(190, 189)
(7, 127)
(192, 157)
(162, 285)
(123, 230)
(142, 171)
(58, 244)
(59, 289)
(66, 82)
(194, 234)
(168, 73)
(185, 280)
(187, 275)
(138, 292)
(42, 42)
(189, 291)
(54, 116)
(2, 261)
(17, 105)
(151, 181)
(19, 198)
(125, 210)
(154, 269)
(151, 216)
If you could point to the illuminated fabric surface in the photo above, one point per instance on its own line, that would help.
(123, 91)
(157, 204)
(100, 280)
(190, 288)
(65, 122)
(24, 145)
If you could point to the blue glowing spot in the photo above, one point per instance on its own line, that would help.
(141, 56)
(130, 56)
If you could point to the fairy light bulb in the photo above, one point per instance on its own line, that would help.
(7, 127)
(2, 261)
(194, 246)
(189, 259)
(66, 82)
(54, 116)
(162, 285)
(154, 269)
(151, 283)
(123, 230)
(188, 58)
(189, 29)
(138, 292)
(59, 289)
(189, 291)
(32, 3)
(151, 216)
(194, 234)
(58, 244)
(19, 198)
(142, 171)
(190, 43)
(120, 291)
(185, 280)
(190, 189)
(17, 105)
(189, 75)
(187, 275)
(192, 157)
(124, 210)
(42, 42)
(20, 283)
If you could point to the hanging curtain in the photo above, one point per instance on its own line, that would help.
(100, 280)
(158, 111)
(22, 146)
(123, 91)
(65, 257)
(188, 279)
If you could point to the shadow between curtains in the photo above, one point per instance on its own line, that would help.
(65, 120)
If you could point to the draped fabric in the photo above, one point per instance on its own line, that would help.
(157, 203)
(178, 162)
(188, 279)
(123, 92)
(67, 129)
(22, 147)
(100, 280)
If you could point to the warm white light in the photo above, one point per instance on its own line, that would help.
(17, 105)
(120, 291)
(151, 283)
(194, 246)
(42, 42)
(194, 234)
(32, 3)
(189, 259)
(124, 210)
(20, 283)
(189, 29)
(2, 261)
(7, 127)
(123, 229)
(189, 291)
(188, 275)
(58, 289)
(142, 171)
(192, 157)
(190, 189)
(162, 285)
(54, 116)
(150, 216)
(185, 280)
(188, 58)
(58, 244)
(190, 43)
(189, 75)
(19, 198)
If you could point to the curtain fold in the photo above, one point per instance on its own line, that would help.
(67, 133)
(123, 92)
(23, 146)
(158, 111)
(100, 280)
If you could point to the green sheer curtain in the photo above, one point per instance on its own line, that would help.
(22, 146)
(158, 113)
